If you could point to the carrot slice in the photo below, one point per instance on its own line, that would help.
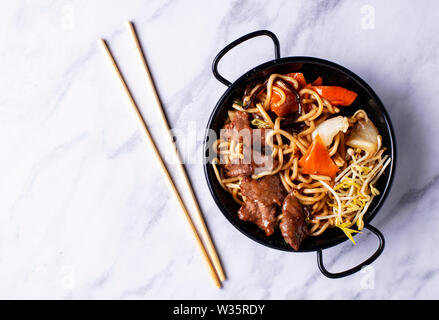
(336, 95)
(299, 77)
(288, 106)
(317, 82)
(317, 160)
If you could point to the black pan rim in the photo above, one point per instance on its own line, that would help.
(314, 60)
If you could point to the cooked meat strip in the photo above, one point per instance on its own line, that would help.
(264, 216)
(293, 224)
(254, 161)
(238, 169)
(226, 131)
(259, 163)
(262, 200)
(268, 190)
(238, 128)
(240, 121)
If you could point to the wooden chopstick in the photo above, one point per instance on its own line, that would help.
(162, 164)
(204, 231)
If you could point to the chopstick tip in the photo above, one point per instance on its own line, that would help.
(101, 41)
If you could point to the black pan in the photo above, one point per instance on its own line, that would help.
(332, 74)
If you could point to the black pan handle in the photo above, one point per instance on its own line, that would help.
(361, 265)
(251, 35)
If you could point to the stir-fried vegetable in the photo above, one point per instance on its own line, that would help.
(299, 77)
(355, 189)
(347, 231)
(364, 136)
(317, 160)
(317, 82)
(284, 102)
(337, 208)
(258, 123)
(329, 128)
(338, 96)
(238, 102)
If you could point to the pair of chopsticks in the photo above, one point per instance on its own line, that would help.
(210, 255)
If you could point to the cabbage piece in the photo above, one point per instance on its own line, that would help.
(328, 129)
(364, 136)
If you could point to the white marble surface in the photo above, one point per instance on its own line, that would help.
(84, 212)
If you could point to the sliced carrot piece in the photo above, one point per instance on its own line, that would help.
(299, 77)
(275, 98)
(317, 82)
(336, 95)
(317, 160)
(288, 106)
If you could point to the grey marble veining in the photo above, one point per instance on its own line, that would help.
(84, 210)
